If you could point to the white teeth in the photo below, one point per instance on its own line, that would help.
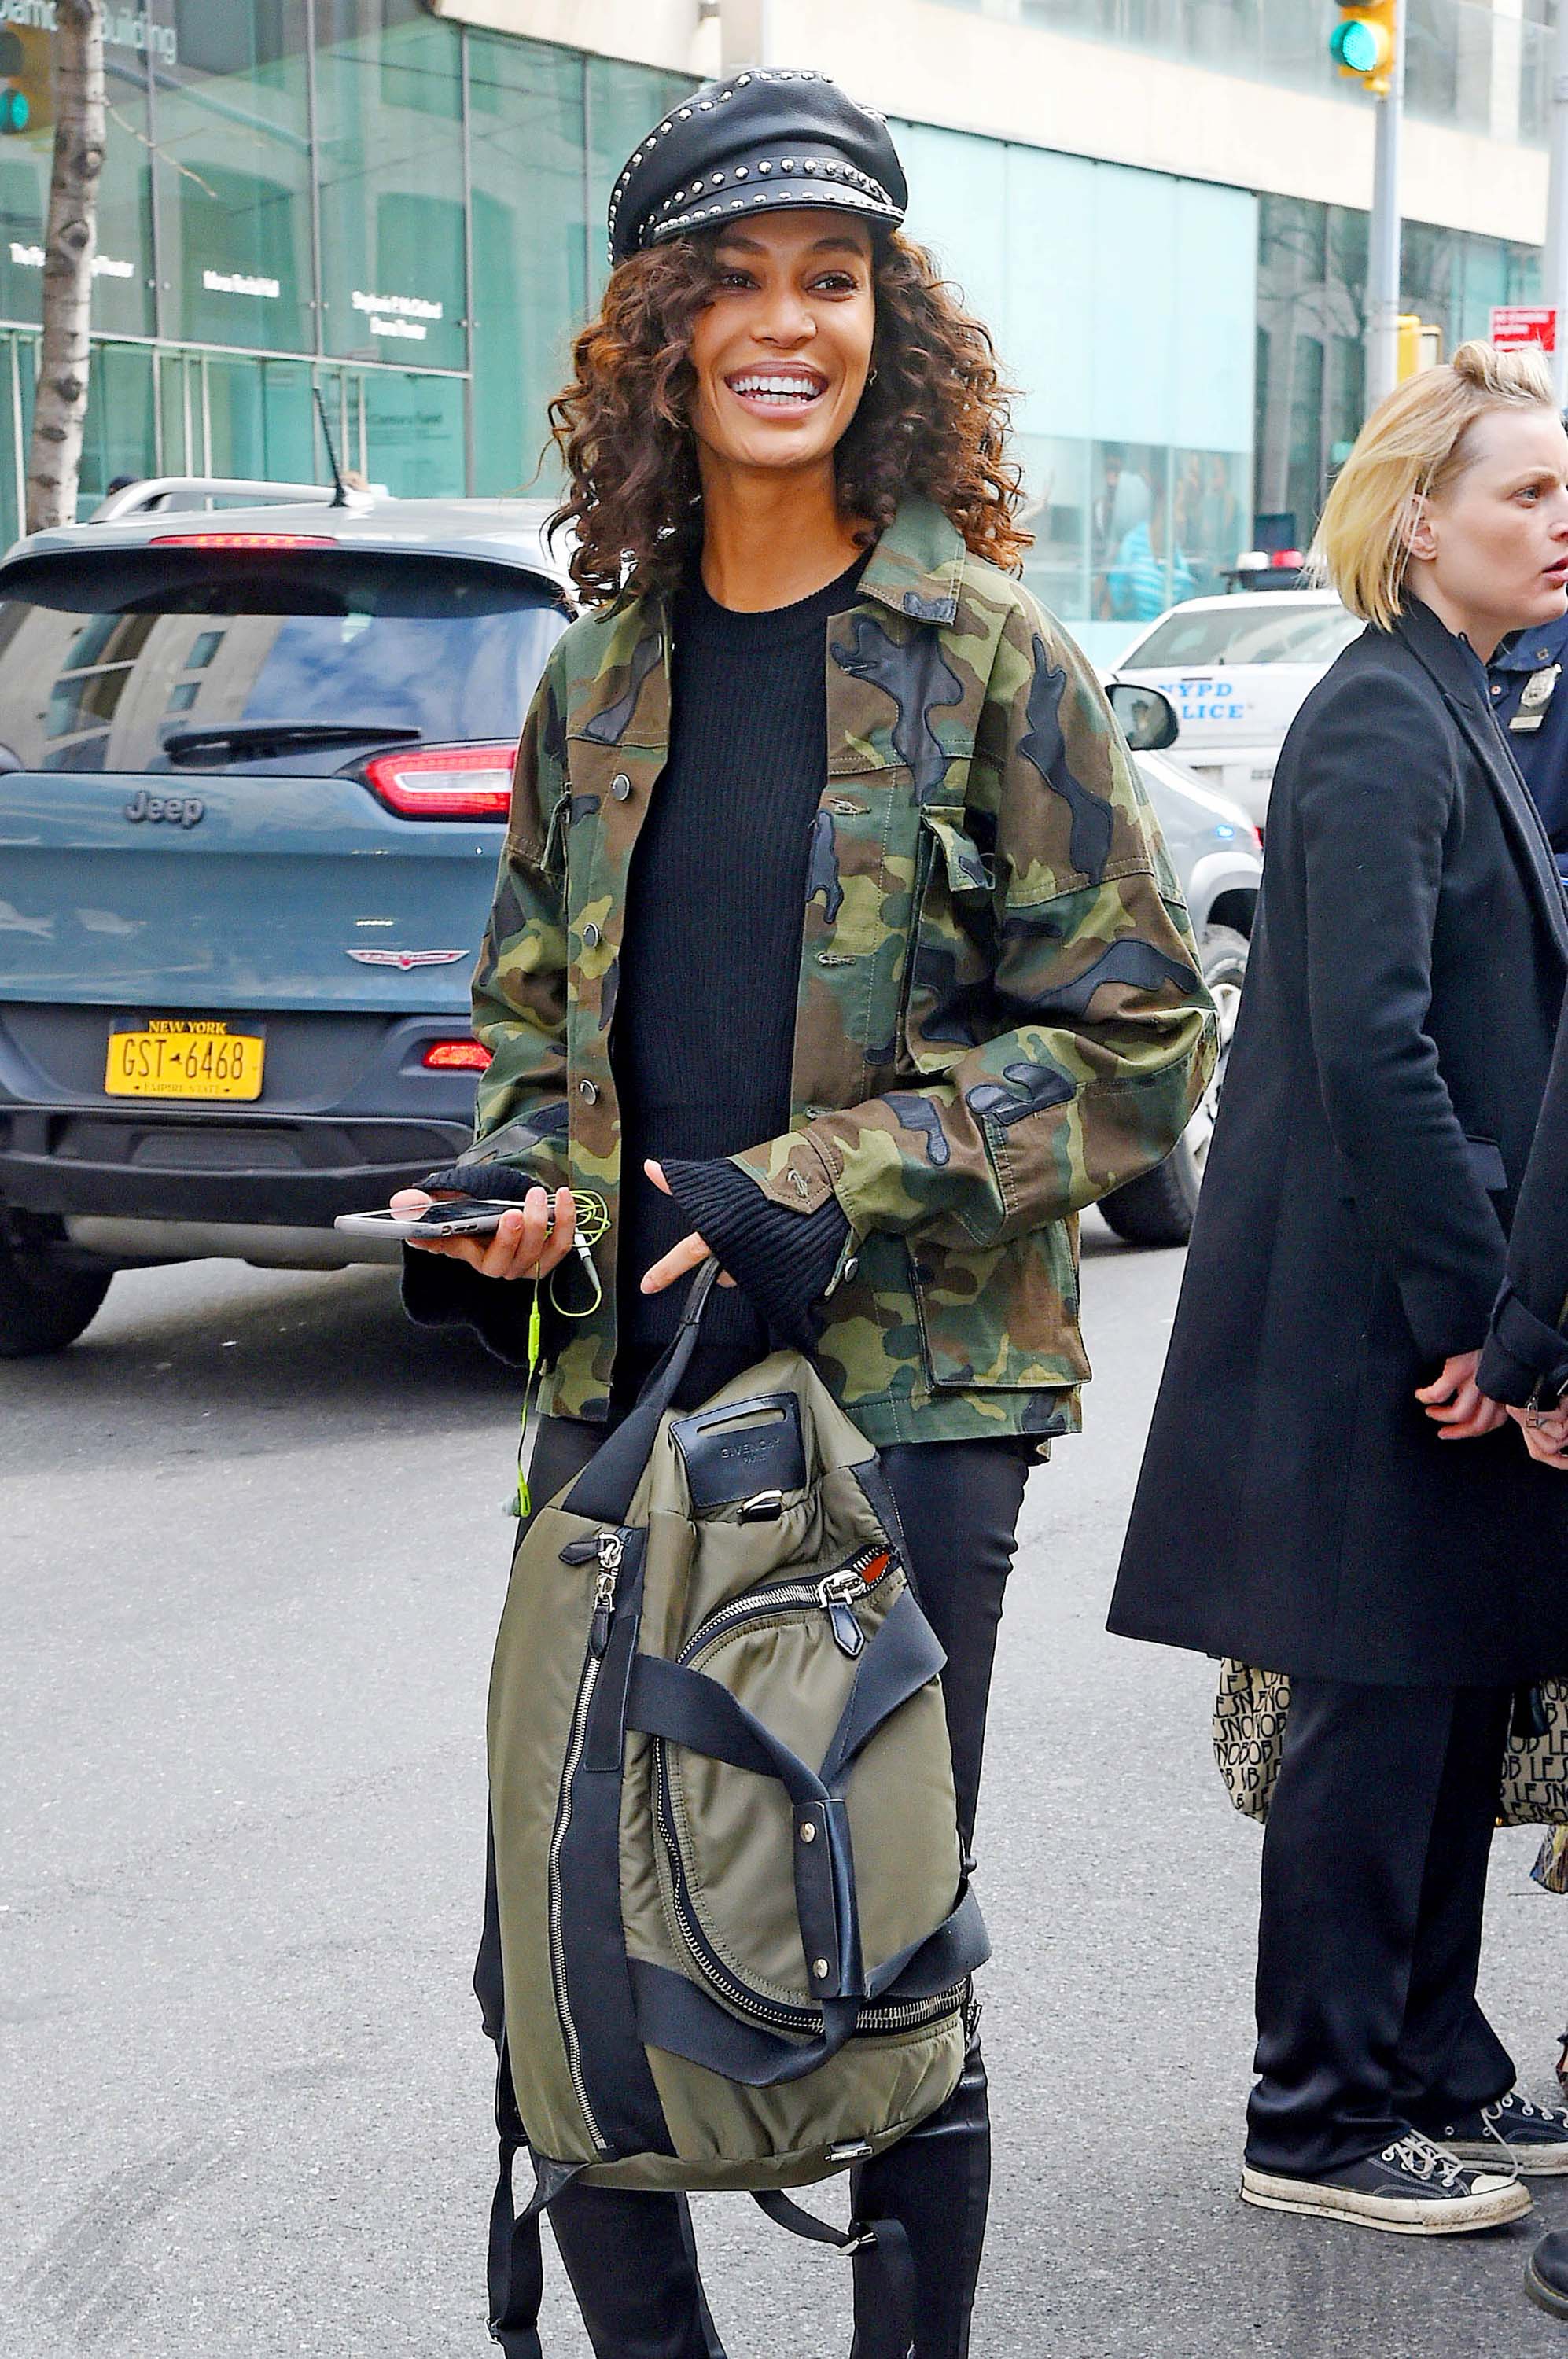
(778, 388)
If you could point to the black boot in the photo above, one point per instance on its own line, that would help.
(1546, 2278)
(936, 2182)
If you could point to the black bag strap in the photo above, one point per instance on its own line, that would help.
(904, 1654)
(959, 1946)
(605, 1490)
(514, 2262)
(879, 2246)
(674, 2015)
(687, 1708)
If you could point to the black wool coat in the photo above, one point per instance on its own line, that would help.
(1295, 1508)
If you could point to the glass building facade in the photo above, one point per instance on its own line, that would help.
(405, 214)
(1311, 293)
(348, 195)
(1452, 47)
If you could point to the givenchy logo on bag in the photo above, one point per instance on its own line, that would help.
(745, 1449)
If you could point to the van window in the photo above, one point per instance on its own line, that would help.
(103, 658)
(1261, 626)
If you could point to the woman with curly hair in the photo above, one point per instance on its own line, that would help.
(832, 937)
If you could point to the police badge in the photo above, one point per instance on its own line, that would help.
(1535, 696)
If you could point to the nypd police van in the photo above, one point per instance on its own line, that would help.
(1237, 670)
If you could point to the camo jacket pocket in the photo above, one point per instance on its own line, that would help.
(951, 955)
(1001, 1317)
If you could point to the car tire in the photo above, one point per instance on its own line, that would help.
(1156, 1209)
(43, 1307)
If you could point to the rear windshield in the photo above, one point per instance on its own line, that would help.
(1259, 628)
(105, 657)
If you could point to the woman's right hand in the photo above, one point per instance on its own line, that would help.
(1454, 1402)
(524, 1246)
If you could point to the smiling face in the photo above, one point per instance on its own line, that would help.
(1489, 553)
(782, 351)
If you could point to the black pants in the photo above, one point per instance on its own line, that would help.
(630, 2257)
(1374, 1880)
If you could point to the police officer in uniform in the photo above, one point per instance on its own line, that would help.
(1531, 710)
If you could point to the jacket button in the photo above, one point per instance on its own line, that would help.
(851, 1266)
(588, 1091)
(590, 937)
(620, 786)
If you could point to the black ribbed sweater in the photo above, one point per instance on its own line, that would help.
(710, 970)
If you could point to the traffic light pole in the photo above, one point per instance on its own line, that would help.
(1554, 262)
(1383, 236)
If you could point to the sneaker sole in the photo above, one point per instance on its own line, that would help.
(1395, 2215)
(1530, 2162)
(1544, 2297)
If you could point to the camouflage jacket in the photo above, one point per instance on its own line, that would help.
(1001, 1016)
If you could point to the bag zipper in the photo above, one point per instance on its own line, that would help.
(833, 1593)
(611, 1547)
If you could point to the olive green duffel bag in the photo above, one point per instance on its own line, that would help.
(736, 1931)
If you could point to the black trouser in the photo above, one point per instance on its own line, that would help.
(1374, 1881)
(630, 2255)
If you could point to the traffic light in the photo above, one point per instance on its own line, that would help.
(1363, 44)
(26, 97)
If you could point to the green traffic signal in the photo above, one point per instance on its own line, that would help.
(1354, 46)
(15, 112)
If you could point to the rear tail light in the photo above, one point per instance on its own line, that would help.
(456, 1057)
(444, 781)
(242, 540)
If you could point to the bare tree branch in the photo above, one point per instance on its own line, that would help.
(70, 241)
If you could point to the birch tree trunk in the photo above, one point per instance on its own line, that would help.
(70, 241)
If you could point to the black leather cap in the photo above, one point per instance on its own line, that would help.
(755, 142)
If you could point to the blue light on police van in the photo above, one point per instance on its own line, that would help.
(1225, 831)
(15, 112)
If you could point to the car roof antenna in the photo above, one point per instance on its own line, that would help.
(339, 498)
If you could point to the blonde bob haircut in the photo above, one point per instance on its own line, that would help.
(1411, 448)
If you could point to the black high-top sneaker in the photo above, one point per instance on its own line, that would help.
(1413, 2189)
(1534, 2138)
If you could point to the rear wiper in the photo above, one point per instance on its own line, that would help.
(256, 736)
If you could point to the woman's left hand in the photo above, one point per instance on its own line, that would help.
(681, 1260)
(1452, 1401)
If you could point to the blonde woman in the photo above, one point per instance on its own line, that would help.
(1369, 1527)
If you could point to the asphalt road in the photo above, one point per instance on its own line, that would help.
(252, 1561)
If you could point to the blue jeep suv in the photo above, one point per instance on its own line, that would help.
(253, 768)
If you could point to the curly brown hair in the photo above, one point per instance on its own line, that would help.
(934, 420)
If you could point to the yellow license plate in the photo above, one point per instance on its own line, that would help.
(184, 1057)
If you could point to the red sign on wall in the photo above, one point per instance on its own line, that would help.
(1515, 325)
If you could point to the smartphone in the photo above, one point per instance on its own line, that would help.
(458, 1216)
